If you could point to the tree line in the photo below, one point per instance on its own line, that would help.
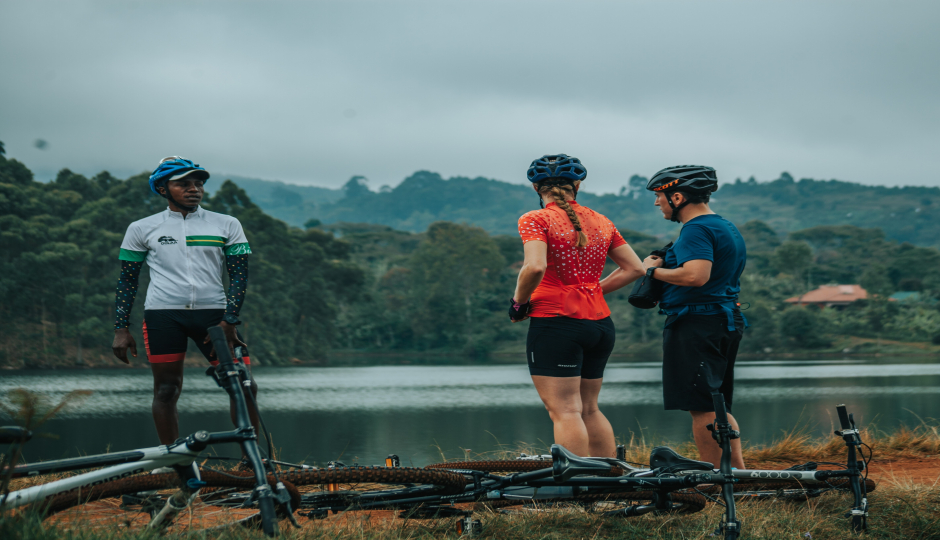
(368, 287)
(786, 204)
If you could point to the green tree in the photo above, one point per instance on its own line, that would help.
(875, 280)
(455, 282)
(804, 327)
(793, 257)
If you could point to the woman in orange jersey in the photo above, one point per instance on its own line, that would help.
(570, 334)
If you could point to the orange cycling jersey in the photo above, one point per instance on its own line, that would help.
(571, 286)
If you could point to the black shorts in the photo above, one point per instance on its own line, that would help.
(698, 359)
(565, 347)
(166, 332)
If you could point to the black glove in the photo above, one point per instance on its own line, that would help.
(519, 312)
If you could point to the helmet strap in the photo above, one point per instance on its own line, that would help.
(185, 208)
(675, 209)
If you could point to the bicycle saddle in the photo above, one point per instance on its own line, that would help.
(667, 460)
(12, 434)
(566, 465)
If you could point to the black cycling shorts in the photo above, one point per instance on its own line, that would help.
(166, 332)
(566, 347)
(698, 359)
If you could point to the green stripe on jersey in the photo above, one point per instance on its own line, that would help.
(135, 256)
(238, 249)
(210, 241)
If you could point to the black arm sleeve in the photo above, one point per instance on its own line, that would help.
(237, 267)
(126, 293)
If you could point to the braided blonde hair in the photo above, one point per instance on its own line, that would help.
(558, 193)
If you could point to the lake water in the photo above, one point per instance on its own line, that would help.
(362, 414)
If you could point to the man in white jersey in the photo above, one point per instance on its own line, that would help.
(185, 247)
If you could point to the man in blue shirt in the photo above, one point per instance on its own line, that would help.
(701, 275)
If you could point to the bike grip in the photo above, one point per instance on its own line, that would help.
(843, 417)
(221, 346)
(721, 414)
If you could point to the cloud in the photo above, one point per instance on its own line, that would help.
(317, 92)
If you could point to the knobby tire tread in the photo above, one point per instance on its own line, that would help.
(152, 482)
(448, 482)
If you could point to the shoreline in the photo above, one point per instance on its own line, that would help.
(444, 358)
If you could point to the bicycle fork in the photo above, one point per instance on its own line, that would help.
(730, 527)
(850, 435)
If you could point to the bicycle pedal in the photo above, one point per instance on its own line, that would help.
(469, 526)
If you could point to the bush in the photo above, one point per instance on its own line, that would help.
(804, 327)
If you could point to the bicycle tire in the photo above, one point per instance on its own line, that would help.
(507, 465)
(446, 482)
(374, 487)
(116, 504)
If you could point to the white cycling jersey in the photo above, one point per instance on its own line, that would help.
(185, 255)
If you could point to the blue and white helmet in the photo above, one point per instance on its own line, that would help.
(174, 168)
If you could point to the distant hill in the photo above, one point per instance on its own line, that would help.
(907, 213)
(287, 202)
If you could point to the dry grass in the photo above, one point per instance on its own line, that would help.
(900, 508)
(797, 445)
(898, 511)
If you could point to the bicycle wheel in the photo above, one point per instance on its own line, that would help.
(132, 502)
(350, 488)
(507, 465)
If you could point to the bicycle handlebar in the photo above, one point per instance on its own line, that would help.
(843, 417)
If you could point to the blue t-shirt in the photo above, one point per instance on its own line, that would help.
(712, 238)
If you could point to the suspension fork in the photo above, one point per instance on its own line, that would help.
(849, 434)
(723, 434)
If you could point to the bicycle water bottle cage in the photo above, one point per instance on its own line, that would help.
(666, 460)
(566, 465)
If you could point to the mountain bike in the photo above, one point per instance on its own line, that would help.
(118, 495)
(795, 483)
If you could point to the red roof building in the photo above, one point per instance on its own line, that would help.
(830, 296)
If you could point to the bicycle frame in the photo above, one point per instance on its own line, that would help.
(180, 455)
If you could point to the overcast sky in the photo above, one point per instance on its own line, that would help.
(315, 92)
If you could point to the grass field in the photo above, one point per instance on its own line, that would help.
(906, 505)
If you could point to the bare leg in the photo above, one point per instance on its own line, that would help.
(562, 398)
(600, 433)
(708, 449)
(167, 385)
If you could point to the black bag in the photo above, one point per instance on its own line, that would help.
(647, 290)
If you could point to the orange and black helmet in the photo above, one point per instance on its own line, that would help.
(689, 178)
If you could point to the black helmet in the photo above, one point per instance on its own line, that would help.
(697, 179)
(690, 178)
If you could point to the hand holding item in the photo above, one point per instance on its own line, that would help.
(652, 262)
(519, 312)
